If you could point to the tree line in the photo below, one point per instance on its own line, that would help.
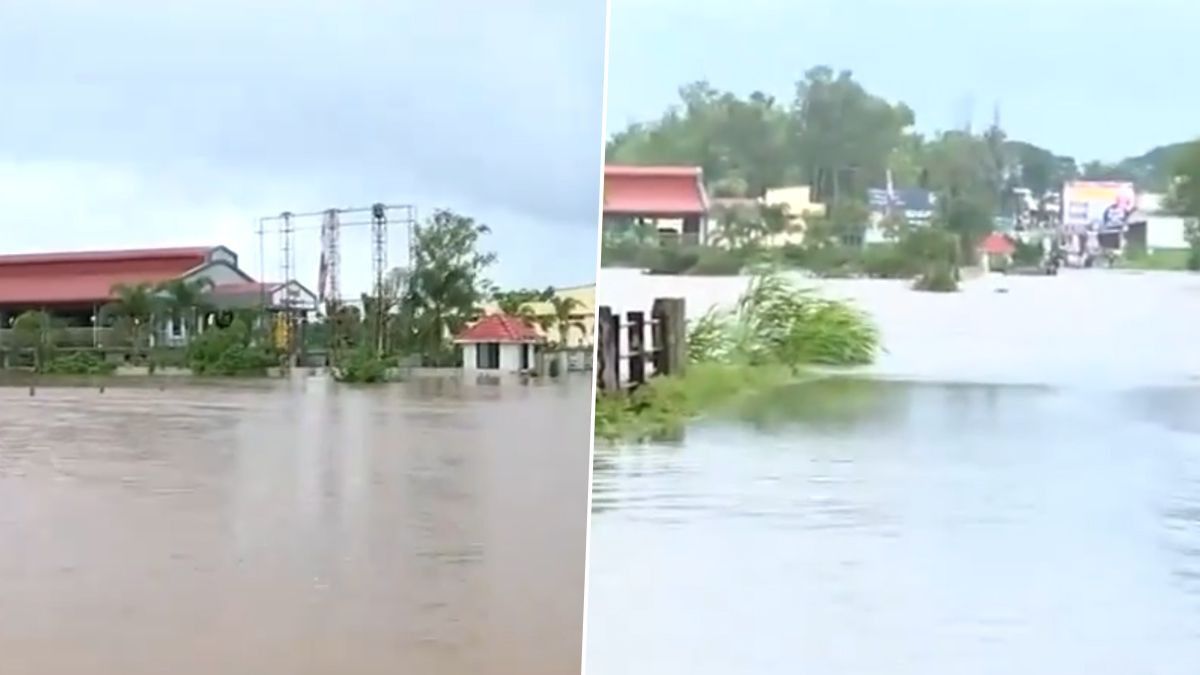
(841, 139)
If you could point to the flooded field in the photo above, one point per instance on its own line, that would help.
(303, 527)
(981, 506)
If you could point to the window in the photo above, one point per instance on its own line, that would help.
(524, 357)
(487, 356)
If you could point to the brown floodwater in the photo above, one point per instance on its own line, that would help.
(293, 527)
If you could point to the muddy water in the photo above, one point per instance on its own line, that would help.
(297, 528)
(1016, 491)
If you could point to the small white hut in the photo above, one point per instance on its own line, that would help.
(499, 343)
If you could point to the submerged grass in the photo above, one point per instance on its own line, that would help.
(765, 340)
(659, 409)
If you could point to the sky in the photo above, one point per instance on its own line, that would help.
(1102, 79)
(138, 123)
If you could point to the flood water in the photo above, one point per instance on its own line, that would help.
(301, 527)
(975, 507)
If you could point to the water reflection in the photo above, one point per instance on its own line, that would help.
(296, 527)
(882, 527)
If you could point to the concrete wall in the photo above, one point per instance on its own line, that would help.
(1166, 232)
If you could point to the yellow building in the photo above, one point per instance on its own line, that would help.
(799, 203)
(583, 316)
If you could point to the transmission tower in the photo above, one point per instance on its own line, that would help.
(331, 258)
(287, 250)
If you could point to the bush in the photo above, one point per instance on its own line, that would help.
(362, 366)
(718, 262)
(79, 363)
(889, 261)
(939, 277)
(228, 352)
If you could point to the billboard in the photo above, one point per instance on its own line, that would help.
(1104, 204)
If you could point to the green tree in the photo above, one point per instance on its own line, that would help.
(447, 283)
(564, 315)
(139, 307)
(34, 331)
(182, 301)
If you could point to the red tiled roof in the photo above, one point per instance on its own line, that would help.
(653, 190)
(499, 328)
(997, 244)
(88, 276)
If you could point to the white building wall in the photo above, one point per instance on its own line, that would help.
(510, 358)
(1166, 232)
(218, 274)
(468, 358)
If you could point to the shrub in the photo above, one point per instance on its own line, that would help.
(939, 277)
(229, 352)
(361, 366)
(79, 363)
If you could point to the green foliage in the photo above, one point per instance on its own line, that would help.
(229, 352)
(447, 283)
(363, 366)
(659, 409)
(79, 363)
(761, 342)
(939, 277)
(774, 323)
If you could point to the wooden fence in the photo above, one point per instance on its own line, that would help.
(623, 359)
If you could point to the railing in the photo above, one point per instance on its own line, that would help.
(624, 342)
(68, 338)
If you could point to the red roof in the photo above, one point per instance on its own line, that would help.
(499, 328)
(87, 277)
(997, 244)
(654, 190)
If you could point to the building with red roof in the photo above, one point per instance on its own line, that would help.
(73, 286)
(672, 199)
(499, 342)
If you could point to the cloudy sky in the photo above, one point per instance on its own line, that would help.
(133, 123)
(1097, 79)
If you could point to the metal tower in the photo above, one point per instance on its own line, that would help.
(331, 258)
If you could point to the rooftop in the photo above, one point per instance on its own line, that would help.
(499, 328)
(672, 191)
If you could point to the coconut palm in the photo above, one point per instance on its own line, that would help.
(136, 304)
(183, 299)
(564, 315)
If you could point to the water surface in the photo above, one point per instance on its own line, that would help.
(1016, 491)
(303, 527)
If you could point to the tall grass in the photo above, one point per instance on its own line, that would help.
(775, 323)
(762, 341)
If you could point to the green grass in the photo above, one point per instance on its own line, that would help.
(1159, 260)
(765, 340)
(660, 408)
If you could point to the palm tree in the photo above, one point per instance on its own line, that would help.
(564, 310)
(138, 305)
(182, 300)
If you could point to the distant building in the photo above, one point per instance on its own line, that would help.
(671, 199)
(74, 286)
(1151, 227)
(499, 343)
(581, 331)
(798, 200)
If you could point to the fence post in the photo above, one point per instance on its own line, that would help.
(671, 319)
(608, 374)
(637, 347)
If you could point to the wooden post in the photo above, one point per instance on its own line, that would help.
(608, 373)
(670, 314)
(637, 347)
